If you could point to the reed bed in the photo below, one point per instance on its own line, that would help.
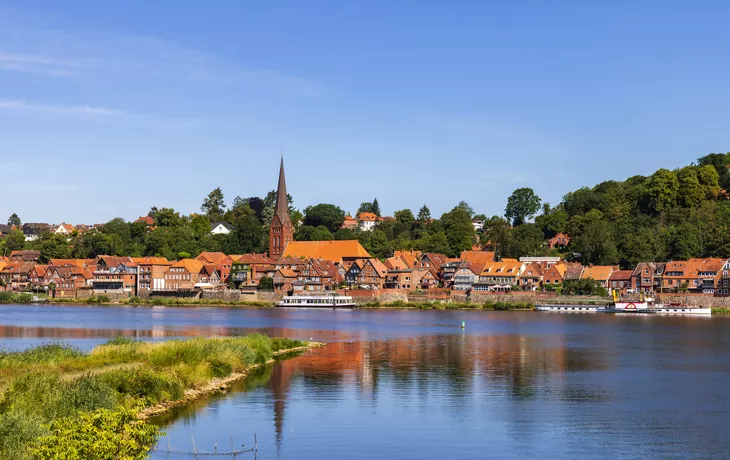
(53, 393)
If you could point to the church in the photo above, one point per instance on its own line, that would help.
(281, 236)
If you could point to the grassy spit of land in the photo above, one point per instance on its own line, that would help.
(57, 402)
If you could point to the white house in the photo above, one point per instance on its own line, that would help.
(221, 228)
(367, 221)
(64, 229)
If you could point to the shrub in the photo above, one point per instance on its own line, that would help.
(153, 387)
(98, 435)
(17, 431)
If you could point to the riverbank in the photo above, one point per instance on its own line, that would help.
(56, 401)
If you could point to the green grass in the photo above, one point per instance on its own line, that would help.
(53, 385)
(721, 311)
(9, 297)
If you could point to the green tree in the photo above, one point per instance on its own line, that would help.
(214, 205)
(345, 234)
(200, 225)
(378, 245)
(328, 215)
(521, 205)
(15, 241)
(266, 284)
(459, 231)
(710, 181)
(424, 214)
(662, 189)
(376, 207)
(525, 240)
(54, 247)
(365, 206)
(691, 192)
(596, 244)
(167, 217)
(309, 233)
(684, 242)
(436, 243)
(463, 205)
(14, 220)
(248, 236)
(405, 216)
(552, 222)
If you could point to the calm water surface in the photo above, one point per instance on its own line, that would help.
(413, 384)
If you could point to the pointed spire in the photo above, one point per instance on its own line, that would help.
(282, 205)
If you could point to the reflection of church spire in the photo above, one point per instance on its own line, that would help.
(280, 381)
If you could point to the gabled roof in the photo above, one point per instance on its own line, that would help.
(482, 257)
(394, 263)
(5, 228)
(151, 260)
(26, 255)
(75, 262)
(350, 222)
(253, 259)
(379, 267)
(147, 220)
(67, 227)
(410, 258)
(367, 217)
(436, 259)
(330, 250)
(287, 273)
(621, 275)
(709, 264)
(228, 226)
(191, 265)
(40, 269)
(211, 257)
(573, 272)
(503, 269)
(598, 272)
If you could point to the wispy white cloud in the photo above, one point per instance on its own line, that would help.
(15, 104)
(36, 64)
(142, 60)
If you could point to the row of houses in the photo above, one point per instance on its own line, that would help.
(326, 265)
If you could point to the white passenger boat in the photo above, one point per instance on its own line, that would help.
(567, 308)
(649, 306)
(317, 301)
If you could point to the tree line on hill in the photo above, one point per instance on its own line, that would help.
(669, 215)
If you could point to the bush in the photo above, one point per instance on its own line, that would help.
(17, 431)
(153, 387)
(98, 435)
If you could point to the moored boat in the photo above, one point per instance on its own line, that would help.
(567, 308)
(317, 301)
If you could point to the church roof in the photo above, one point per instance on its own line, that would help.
(329, 250)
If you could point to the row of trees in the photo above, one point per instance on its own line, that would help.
(669, 215)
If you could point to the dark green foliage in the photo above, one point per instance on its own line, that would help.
(521, 205)
(142, 383)
(327, 215)
(14, 220)
(266, 284)
(586, 286)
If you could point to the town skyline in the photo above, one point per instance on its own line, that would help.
(552, 97)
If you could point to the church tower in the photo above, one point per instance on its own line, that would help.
(282, 230)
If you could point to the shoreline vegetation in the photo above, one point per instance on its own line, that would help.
(58, 402)
(372, 305)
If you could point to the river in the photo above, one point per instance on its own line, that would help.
(414, 384)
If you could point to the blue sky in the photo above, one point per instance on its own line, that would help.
(109, 108)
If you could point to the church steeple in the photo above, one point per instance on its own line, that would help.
(281, 231)
(282, 205)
